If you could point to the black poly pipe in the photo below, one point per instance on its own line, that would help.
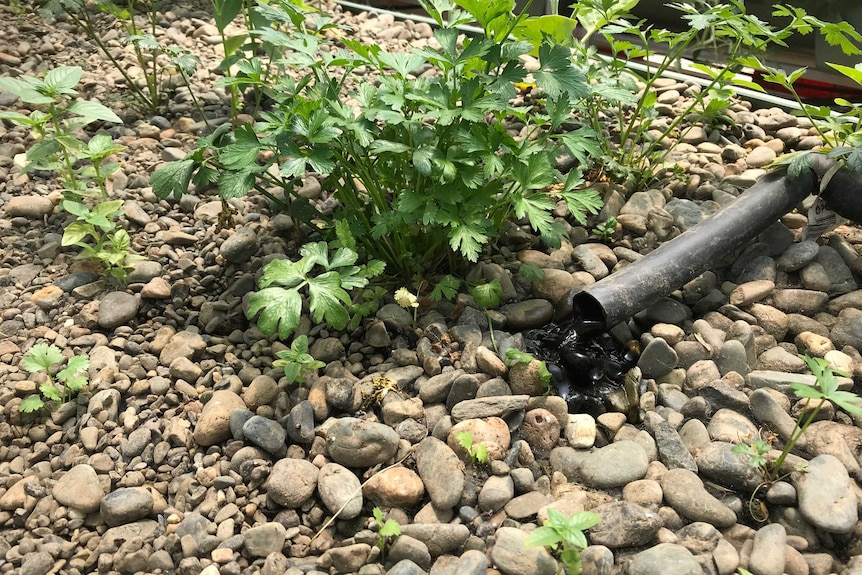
(622, 294)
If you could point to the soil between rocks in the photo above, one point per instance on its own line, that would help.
(189, 454)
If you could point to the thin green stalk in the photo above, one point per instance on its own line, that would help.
(795, 436)
(90, 31)
(68, 170)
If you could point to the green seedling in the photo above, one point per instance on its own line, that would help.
(824, 389)
(605, 230)
(385, 530)
(477, 451)
(296, 361)
(564, 535)
(326, 277)
(60, 388)
(79, 164)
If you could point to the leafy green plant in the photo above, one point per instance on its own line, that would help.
(637, 144)
(755, 451)
(385, 530)
(110, 245)
(606, 230)
(824, 389)
(147, 90)
(296, 361)
(79, 164)
(252, 60)
(423, 168)
(57, 148)
(477, 451)
(841, 131)
(327, 278)
(60, 388)
(564, 535)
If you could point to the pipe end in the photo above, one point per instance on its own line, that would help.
(589, 310)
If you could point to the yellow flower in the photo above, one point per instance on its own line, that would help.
(405, 299)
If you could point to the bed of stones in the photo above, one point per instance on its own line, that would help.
(188, 453)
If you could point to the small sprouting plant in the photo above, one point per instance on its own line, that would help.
(385, 530)
(83, 167)
(60, 388)
(605, 230)
(825, 388)
(755, 451)
(840, 132)
(296, 361)
(477, 451)
(328, 278)
(565, 535)
(56, 147)
(110, 245)
(153, 60)
(446, 288)
(515, 356)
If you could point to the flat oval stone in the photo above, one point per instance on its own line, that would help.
(126, 505)
(292, 482)
(339, 488)
(358, 443)
(826, 495)
(527, 314)
(684, 491)
(441, 470)
(624, 524)
(615, 465)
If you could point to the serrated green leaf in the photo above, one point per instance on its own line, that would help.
(173, 179)
(344, 234)
(390, 529)
(75, 365)
(480, 453)
(50, 391)
(76, 383)
(31, 404)
(487, 295)
(582, 202)
(446, 288)
(285, 273)
(531, 272)
(467, 238)
(374, 268)
(237, 184)
(557, 74)
(280, 310)
(465, 439)
(328, 301)
(854, 74)
(41, 357)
